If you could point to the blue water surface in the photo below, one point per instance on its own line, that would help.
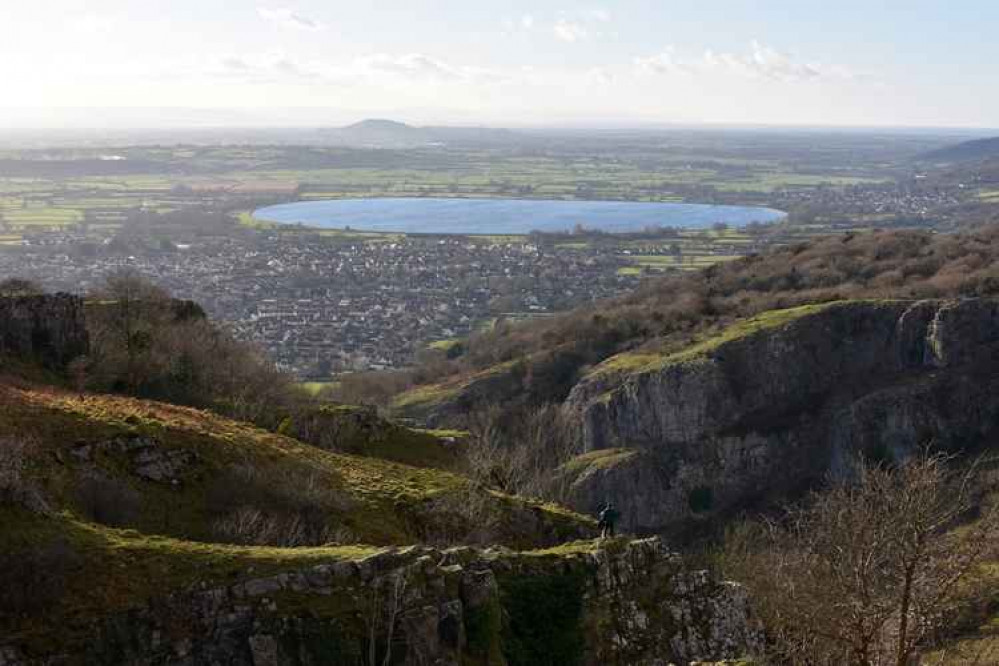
(506, 216)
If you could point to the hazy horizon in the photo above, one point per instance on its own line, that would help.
(126, 119)
(520, 64)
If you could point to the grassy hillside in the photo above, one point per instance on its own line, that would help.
(89, 571)
(361, 431)
(191, 474)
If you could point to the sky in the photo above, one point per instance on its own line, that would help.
(95, 63)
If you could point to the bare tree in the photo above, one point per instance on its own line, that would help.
(517, 452)
(873, 571)
(384, 610)
(125, 317)
(143, 342)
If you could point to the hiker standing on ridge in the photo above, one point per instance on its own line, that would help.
(608, 517)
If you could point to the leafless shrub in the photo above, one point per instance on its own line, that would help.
(288, 507)
(145, 343)
(873, 571)
(983, 652)
(371, 388)
(251, 526)
(385, 605)
(518, 453)
(515, 455)
(467, 517)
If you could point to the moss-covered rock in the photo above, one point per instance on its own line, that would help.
(157, 600)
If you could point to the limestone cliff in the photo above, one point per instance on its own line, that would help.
(624, 603)
(48, 329)
(776, 402)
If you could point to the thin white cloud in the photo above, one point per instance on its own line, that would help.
(527, 22)
(570, 31)
(760, 62)
(581, 25)
(272, 67)
(664, 62)
(380, 68)
(286, 17)
(412, 64)
(421, 67)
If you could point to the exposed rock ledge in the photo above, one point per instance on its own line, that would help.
(627, 602)
(775, 403)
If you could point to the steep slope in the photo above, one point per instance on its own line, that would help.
(79, 589)
(191, 474)
(774, 403)
(540, 361)
(138, 532)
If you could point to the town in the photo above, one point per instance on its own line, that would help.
(320, 306)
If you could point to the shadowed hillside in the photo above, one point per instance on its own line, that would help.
(134, 531)
(540, 361)
(979, 149)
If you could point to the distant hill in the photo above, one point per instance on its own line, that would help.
(383, 133)
(979, 149)
(378, 132)
(379, 125)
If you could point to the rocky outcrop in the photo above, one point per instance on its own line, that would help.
(143, 457)
(46, 329)
(772, 406)
(361, 431)
(628, 603)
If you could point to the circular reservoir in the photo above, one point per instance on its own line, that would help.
(507, 216)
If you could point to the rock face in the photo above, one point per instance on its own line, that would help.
(629, 603)
(769, 412)
(48, 329)
(144, 457)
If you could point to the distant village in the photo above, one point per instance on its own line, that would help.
(321, 307)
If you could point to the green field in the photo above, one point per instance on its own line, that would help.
(236, 180)
(52, 217)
